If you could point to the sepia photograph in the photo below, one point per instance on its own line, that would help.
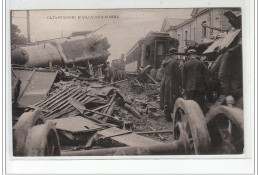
(127, 82)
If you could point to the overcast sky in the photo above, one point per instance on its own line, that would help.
(122, 32)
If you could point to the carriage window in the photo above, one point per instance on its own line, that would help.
(160, 49)
(147, 56)
(194, 33)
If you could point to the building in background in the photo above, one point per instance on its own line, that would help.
(192, 30)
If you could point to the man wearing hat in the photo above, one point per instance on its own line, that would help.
(171, 82)
(194, 78)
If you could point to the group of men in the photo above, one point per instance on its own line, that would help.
(190, 79)
(112, 74)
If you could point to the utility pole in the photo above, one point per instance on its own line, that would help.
(28, 27)
(11, 19)
(11, 22)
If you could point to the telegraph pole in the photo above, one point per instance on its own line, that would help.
(11, 18)
(28, 26)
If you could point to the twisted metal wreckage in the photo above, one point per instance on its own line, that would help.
(50, 113)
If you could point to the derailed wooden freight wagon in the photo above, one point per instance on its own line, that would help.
(150, 50)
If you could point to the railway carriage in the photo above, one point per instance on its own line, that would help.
(150, 50)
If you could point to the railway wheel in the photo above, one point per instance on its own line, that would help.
(24, 124)
(226, 129)
(42, 140)
(189, 125)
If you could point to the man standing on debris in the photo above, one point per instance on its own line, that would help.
(231, 77)
(171, 83)
(114, 74)
(108, 73)
(194, 78)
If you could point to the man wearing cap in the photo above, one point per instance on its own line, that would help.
(171, 82)
(194, 78)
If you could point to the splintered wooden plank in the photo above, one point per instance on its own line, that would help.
(36, 87)
(76, 124)
(116, 135)
(63, 100)
(53, 97)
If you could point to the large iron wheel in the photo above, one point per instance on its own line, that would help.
(24, 124)
(189, 125)
(226, 129)
(42, 140)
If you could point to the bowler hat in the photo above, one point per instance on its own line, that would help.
(173, 51)
(191, 51)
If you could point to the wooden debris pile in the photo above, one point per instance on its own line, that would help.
(80, 109)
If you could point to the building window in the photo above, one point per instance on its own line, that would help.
(204, 31)
(186, 35)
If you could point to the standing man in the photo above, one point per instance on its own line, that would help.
(194, 78)
(231, 77)
(171, 83)
(114, 75)
(108, 72)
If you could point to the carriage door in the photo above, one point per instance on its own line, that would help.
(160, 52)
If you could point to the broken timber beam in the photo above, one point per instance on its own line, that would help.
(161, 137)
(134, 112)
(98, 108)
(175, 148)
(155, 132)
(109, 103)
(115, 82)
(79, 108)
(82, 108)
(115, 137)
(110, 109)
(151, 78)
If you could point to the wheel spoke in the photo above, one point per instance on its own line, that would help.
(192, 148)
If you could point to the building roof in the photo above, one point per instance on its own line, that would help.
(195, 12)
(169, 22)
(198, 11)
(175, 21)
(181, 24)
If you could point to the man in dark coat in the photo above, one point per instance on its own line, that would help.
(171, 83)
(108, 73)
(231, 77)
(194, 78)
(114, 74)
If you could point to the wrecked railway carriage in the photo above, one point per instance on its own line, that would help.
(150, 50)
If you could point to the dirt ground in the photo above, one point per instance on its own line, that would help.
(147, 94)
